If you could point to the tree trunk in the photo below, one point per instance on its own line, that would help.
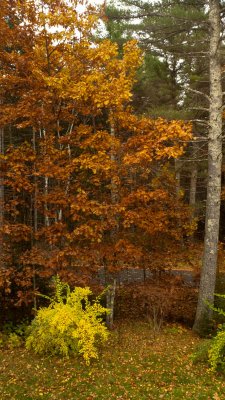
(208, 273)
(114, 185)
(177, 175)
(193, 182)
(34, 223)
(110, 299)
(47, 223)
(193, 185)
(111, 290)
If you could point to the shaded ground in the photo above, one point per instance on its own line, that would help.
(136, 365)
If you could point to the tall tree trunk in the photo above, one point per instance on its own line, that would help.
(208, 274)
(111, 291)
(46, 186)
(35, 224)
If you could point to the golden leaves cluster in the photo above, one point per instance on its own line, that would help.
(80, 176)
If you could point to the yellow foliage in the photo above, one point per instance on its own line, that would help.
(70, 325)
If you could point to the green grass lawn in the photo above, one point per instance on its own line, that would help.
(134, 365)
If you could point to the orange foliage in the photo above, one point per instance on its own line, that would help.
(87, 185)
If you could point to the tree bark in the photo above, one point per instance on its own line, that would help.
(193, 187)
(114, 186)
(177, 175)
(35, 224)
(111, 291)
(110, 299)
(209, 267)
(193, 181)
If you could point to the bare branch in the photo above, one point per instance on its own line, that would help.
(199, 109)
(200, 138)
(199, 92)
(200, 121)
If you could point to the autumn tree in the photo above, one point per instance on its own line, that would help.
(87, 183)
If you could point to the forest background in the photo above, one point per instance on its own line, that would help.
(104, 137)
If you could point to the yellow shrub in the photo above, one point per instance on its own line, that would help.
(71, 324)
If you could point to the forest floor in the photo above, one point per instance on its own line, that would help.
(138, 363)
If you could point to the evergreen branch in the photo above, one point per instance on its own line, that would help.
(149, 14)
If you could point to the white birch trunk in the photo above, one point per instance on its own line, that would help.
(111, 291)
(209, 267)
(46, 184)
(177, 175)
(114, 188)
(46, 204)
(35, 223)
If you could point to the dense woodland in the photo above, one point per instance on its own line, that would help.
(111, 128)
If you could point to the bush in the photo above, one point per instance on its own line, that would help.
(70, 325)
(14, 341)
(18, 329)
(12, 335)
(217, 348)
(201, 354)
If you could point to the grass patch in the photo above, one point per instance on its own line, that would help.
(134, 365)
